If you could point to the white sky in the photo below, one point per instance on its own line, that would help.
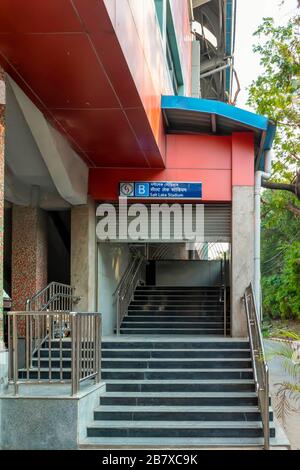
(249, 16)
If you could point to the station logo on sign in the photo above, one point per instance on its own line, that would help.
(127, 189)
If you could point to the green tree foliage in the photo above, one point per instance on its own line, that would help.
(276, 94)
(280, 256)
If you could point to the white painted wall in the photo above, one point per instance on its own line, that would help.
(112, 262)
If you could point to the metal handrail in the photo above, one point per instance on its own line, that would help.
(260, 366)
(223, 293)
(42, 329)
(125, 291)
(56, 295)
(126, 274)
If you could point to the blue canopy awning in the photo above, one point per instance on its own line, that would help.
(199, 116)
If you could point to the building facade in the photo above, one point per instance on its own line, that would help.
(96, 94)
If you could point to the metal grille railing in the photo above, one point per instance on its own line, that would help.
(60, 347)
(134, 273)
(260, 366)
(54, 297)
(223, 293)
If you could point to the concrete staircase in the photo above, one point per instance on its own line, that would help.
(172, 379)
(175, 310)
(172, 391)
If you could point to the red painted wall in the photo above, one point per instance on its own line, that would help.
(243, 159)
(219, 162)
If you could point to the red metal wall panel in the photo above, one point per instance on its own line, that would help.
(191, 158)
(243, 159)
(199, 151)
(104, 182)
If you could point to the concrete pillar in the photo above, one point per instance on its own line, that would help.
(242, 253)
(29, 253)
(196, 52)
(83, 255)
(3, 352)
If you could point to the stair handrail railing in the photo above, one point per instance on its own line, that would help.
(55, 296)
(260, 366)
(223, 292)
(80, 331)
(225, 295)
(125, 290)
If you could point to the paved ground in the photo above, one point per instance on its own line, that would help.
(277, 375)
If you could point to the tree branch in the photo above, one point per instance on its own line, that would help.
(285, 187)
(293, 208)
(293, 188)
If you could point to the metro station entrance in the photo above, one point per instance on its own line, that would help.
(168, 286)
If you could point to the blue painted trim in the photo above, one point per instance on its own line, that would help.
(227, 111)
(215, 107)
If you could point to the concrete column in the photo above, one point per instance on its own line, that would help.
(83, 255)
(3, 352)
(196, 51)
(29, 253)
(242, 254)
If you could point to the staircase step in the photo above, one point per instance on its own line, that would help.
(176, 374)
(182, 303)
(172, 325)
(168, 315)
(154, 331)
(178, 413)
(177, 297)
(179, 398)
(176, 429)
(180, 385)
(157, 363)
(173, 343)
(177, 288)
(213, 443)
(172, 319)
(175, 308)
(176, 353)
(166, 331)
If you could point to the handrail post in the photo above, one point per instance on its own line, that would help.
(118, 314)
(74, 367)
(15, 354)
(225, 312)
(97, 339)
(266, 411)
(260, 368)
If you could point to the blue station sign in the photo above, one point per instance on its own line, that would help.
(161, 190)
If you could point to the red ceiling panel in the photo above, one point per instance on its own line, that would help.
(104, 127)
(113, 159)
(62, 69)
(137, 117)
(66, 57)
(38, 16)
(93, 15)
(110, 54)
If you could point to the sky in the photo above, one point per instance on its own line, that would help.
(249, 16)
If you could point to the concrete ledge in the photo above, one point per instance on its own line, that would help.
(35, 420)
(3, 369)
